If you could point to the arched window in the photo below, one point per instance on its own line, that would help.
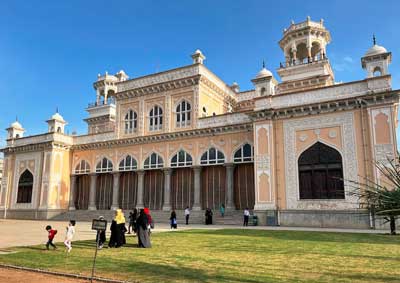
(377, 72)
(212, 156)
(243, 154)
(130, 122)
(104, 165)
(263, 91)
(128, 163)
(59, 130)
(183, 112)
(154, 161)
(156, 118)
(25, 186)
(321, 173)
(82, 168)
(181, 159)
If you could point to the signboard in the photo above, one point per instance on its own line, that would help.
(99, 225)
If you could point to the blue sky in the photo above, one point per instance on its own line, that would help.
(52, 51)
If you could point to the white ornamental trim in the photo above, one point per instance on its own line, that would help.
(349, 157)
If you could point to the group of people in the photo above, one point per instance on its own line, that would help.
(140, 224)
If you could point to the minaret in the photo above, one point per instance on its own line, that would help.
(56, 123)
(376, 60)
(306, 62)
(15, 130)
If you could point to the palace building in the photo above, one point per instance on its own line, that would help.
(184, 137)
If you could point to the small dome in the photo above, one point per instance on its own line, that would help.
(375, 49)
(198, 51)
(57, 117)
(16, 125)
(263, 74)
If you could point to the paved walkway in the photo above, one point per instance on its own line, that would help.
(31, 232)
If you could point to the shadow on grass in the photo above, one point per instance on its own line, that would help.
(304, 236)
(167, 273)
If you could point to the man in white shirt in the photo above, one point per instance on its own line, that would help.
(187, 214)
(246, 215)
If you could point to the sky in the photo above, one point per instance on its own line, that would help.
(52, 51)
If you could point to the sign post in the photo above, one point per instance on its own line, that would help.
(98, 225)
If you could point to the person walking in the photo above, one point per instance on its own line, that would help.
(142, 233)
(173, 221)
(51, 234)
(118, 229)
(69, 235)
(222, 209)
(132, 221)
(246, 215)
(187, 215)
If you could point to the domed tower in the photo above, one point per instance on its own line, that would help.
(306, 63)
(264, 82)
(56, 123)
(15, 130)
(376, 60)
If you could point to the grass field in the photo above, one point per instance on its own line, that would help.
(231, 256)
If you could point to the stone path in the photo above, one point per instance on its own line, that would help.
(31, 232)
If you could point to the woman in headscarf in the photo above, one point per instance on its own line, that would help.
(150, 225)
(142, 224)
(209, 216)
(118, 230)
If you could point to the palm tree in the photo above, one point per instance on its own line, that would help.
(383, 199)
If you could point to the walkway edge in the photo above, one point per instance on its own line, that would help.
(68, 275)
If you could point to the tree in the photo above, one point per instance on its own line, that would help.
(383, 199)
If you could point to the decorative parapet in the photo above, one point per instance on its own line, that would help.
(245, 95)
(167, 76)
(223, 120)
(101, 110)
(37, 139)
(331, 93)
(94, 138)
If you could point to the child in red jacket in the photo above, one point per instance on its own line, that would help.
(51, 235)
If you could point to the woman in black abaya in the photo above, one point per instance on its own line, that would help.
(142, 230)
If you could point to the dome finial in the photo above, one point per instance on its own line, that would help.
(57, 109)
(263, 65)
(374, 39)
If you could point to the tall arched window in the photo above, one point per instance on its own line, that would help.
(321, 173)
(377, 72)
(25, 186)
(212, 156)
(181, 159)
(104, 165)
(154, 161)
(128, 163)
(82, 168)
(183, 113)
(130, 122)
(243, 154)
(156, 118)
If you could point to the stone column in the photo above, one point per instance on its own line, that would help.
(72, 192)
(229, 186)
(167, 189)
(115, 204)
(139, 202)
(197, 188)
(92, 193)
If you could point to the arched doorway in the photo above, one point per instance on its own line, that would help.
(128, 183)
(104, 184)
(244, 194)
(25, 186)
(153, 182)
(321, 173)
(81, 199)
(182, 181)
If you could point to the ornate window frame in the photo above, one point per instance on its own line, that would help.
(130, 122)
(183, 114)
(104, 165)
(181, 159)
(240, 151)
(128, 163)
(156, 118)
(153, 161)
(208, 159)
(82, 167)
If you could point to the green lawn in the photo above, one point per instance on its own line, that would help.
(232, 256)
